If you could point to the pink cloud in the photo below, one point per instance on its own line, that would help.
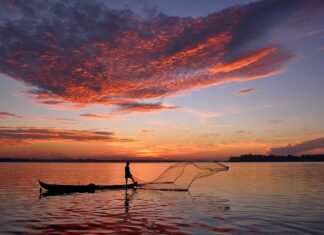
(118, 58)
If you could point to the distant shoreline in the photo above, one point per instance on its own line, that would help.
(242, 158)
(274, 158)
(98, 160)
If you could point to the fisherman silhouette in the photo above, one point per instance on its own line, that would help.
(128, 173)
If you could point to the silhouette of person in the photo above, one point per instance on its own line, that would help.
(128, 173)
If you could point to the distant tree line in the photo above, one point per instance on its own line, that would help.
(275, 158)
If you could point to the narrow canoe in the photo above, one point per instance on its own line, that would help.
(60, 188)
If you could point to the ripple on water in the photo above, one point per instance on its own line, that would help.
(272, 198)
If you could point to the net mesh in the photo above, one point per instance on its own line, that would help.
(180, 176)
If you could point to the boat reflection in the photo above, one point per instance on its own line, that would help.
(50, 193)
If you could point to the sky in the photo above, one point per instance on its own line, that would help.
(180, 79)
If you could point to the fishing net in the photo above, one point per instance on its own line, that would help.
(180, 176)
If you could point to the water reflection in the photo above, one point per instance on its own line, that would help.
(140, 211)
(50, 193)
(128, 198)
(251, 198)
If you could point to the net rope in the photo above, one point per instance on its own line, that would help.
(180, 176)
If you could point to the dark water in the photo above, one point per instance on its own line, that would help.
(251, 198)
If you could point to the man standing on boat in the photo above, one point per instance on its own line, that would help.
(128, 173)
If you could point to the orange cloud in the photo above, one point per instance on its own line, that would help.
(118, 58)
(244, 61)
(203, 150)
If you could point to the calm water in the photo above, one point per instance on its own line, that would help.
(251, 198)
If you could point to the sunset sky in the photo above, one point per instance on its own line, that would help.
(169, 79)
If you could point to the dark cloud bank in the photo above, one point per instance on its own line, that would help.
(25, 135)
(8, 115)
(246, 91)
(299, 148)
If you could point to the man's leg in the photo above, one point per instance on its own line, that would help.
(133, 179)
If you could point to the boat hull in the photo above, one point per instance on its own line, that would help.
(58, 188)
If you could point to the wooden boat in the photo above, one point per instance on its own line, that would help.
(60, 188)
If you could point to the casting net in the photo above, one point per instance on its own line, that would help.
(180, 176)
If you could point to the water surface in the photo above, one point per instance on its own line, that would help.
(251, 198)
